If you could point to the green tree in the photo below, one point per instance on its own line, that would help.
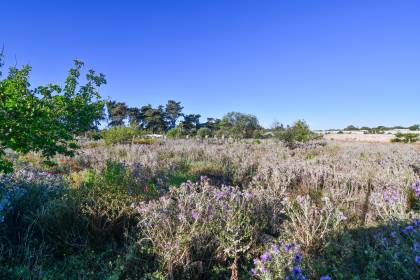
(297, 133)
(134, 117)
(173, 111)
(153, 119)
(117, 113)
(351, 127)
(414, 127)
(190, 124)
(46, 119)
(239, 125)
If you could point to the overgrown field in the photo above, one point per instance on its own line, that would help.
(189, 209)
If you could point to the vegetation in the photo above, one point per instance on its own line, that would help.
(406, 137)
(47, 118)
(225, 207)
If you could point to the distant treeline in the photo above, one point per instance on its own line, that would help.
(171, 120)
(382, 128)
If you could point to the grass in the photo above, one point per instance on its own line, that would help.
(110, 212)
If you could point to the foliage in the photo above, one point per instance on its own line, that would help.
(174, 133)
(173, 111)
(299, 132)
(117, 112)
(190, 124)
(120, 135)
(238, 125)
(47, 118)
(406, 137)
(203, 132)
(340, 211)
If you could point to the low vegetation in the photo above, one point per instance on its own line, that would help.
(80, 203)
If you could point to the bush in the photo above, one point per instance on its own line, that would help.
(174, 133)
(405, 138)
(299, 132)
(120, 135)
(203, 132)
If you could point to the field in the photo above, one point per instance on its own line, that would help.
(210, 209)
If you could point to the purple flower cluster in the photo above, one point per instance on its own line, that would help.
(263, 261)
(391, 196)
(416, 188)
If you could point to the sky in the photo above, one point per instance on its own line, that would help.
(331, 63)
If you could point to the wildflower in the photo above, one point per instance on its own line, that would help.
(195, 215)
(326, 277)
(254, 271)
(416, 188)
(265, 257)
(255, 260)
(298, 257)
(264, 269)
(416, 247)
(288, 247)
(297, 271)
(417, 222)
(408, 229)
(417, 259)
(393, 234)
(275, 249)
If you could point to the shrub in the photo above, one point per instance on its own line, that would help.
(174, 133)
(406, 137)
(120, 135)
(299, 132)
(203, 132)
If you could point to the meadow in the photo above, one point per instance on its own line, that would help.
(213, 209)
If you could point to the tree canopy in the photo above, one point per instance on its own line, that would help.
(46, 118)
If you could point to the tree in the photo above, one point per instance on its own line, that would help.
(298, 132)
(173, 111)
(117, 113)
(153, 119)
(212, 124)
(134, 117)
(351, 127)
(239, 125)
(190, 124)
(414, 127)
(46, 119)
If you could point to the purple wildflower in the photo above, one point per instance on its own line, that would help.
(265, 257)
(264, 269)
(408, 229)
(220, 195)
(416, 188)
(195, 215)
(393, 234)
(417, 259)
(275, 249)
(254, 271)
(298, 257)
(326, 277)
(255, 260)
(416, 247)
(297, 271)
(288, 247)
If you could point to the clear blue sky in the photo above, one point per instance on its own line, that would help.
(332, 63)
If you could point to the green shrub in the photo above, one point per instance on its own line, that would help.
(405, 138)
(299, 132)
(174, 133)
(120, 135)
(203, 132)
